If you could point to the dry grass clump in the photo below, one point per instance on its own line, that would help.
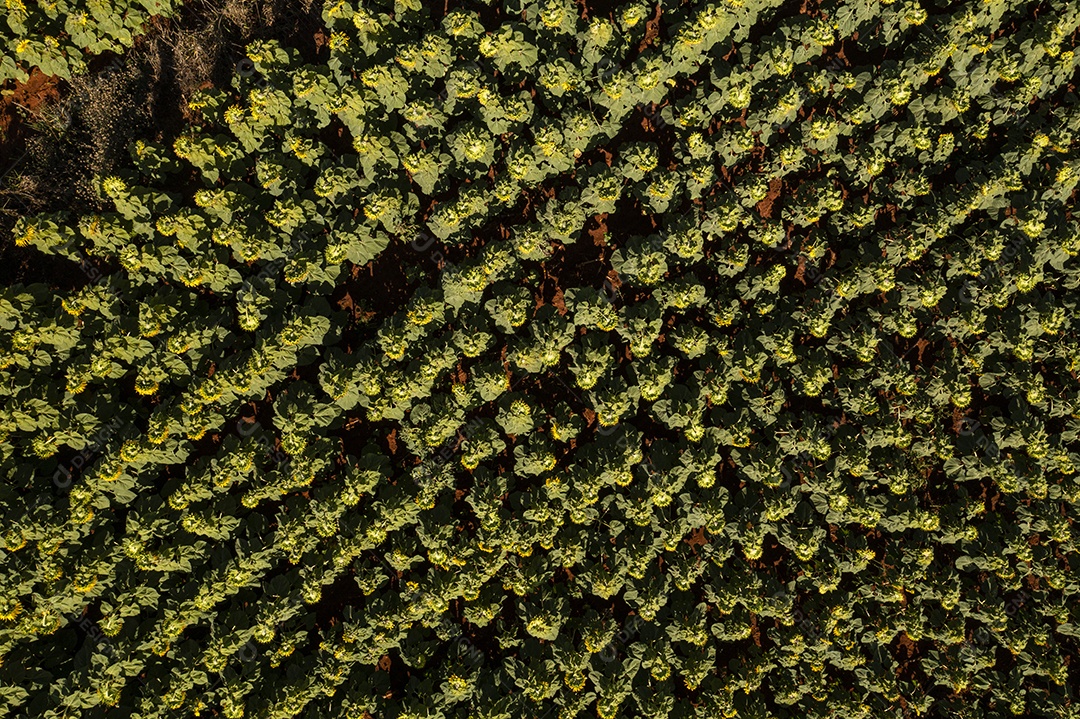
(64, 143)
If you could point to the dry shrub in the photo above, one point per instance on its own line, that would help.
(141, 95)
(205, 46)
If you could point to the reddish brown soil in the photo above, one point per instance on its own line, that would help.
(764, 207)
(597, 230)
(652, 29)
(18, 102)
